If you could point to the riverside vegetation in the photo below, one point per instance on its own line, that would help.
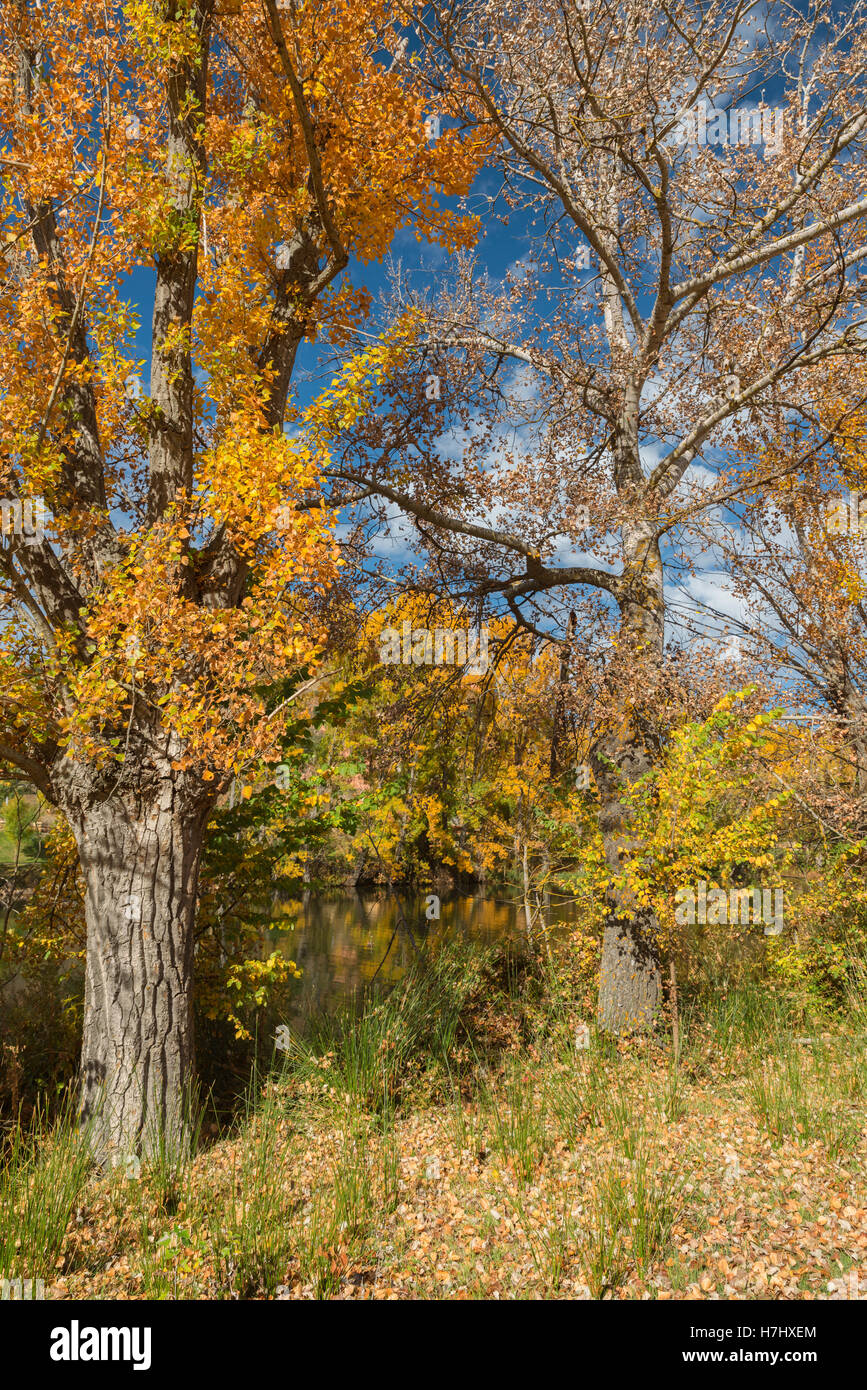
(453, 1141)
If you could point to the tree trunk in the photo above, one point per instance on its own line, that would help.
(630, 982)
(140, 866)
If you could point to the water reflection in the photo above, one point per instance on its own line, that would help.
(344, 942)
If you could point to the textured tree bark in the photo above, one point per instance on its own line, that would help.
(140, 865)
(631, 979)
(631, 975)
(631, 972)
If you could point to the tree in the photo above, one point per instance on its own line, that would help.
(691, 252)
(239, 160)
(796, 556)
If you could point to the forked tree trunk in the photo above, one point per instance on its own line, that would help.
(140, 867)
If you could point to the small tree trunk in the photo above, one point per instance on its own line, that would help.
(675, 1010)
(140, 868)
(528, 911)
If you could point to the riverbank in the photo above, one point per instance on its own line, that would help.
(443, 1148)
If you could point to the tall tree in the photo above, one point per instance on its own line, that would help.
(236, 159)
(685, 184)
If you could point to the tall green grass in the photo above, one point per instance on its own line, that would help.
(737, 1019)
(399, 1034)
(577, 1085)
(630, 1216)
(811, 1089)
(170, 1150)
(517, 1120)
(44, 1169)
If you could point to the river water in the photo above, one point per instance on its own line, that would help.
(341, 942)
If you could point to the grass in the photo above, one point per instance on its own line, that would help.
(554, 1243)
(516, 1120)
(437, 1146)
(740, 1018)
(247, 1219)
(44, 1170)
(169, 1154)
(373, 1055)
(810, 1090)
(576, 1085)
